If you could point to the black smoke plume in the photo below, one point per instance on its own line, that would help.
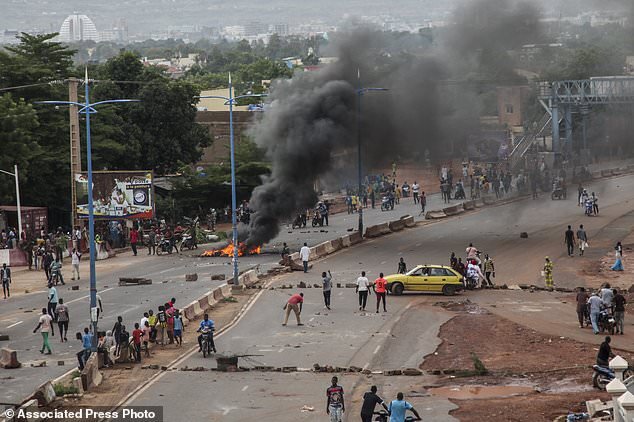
(314, 114)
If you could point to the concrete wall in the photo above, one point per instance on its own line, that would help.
(217, 122)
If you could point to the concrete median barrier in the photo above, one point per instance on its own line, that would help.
(336, 244)
(434, 215)
(9, 359)
(90, 376)
(479, 203)
(45, 394)
(468, 205)
(596, 174)
(377, 230)
(408, 220)
(616, 171)
(453, 210)
(606, 172)
(397, 225)
(488, 200)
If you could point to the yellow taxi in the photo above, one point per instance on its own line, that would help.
(426, 278)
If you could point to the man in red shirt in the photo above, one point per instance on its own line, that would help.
(380, 290)
(134, 238)
(137, 334)
(294, 303)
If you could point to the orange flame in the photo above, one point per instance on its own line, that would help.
(229, 250)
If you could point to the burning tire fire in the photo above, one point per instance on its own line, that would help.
(228, 250)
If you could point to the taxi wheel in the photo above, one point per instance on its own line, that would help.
(397, 289)
(448, 290)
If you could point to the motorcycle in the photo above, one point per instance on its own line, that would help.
(164, 246)
(318, 220)
(386, 204)
(558, 193)
(208, 342)
(382, 416)
(602, 376)
(606, 322)
(189, 242)
(588, 207)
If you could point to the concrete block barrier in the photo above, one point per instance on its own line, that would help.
(479, 203)
(453, 210)
(191, 277)
(336, 244)
(355, 238)
(90, 376)
(606, 173)
(190, 312)
(377, 230)
(45, 394)
(488, 200)
(616, 171)
(249, 277)
(434, 215)
(468, 205)
(397, 225)
(9, 359)
(408, 220)
(596, 174)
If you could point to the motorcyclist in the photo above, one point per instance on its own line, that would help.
(206, 326)
(323, 212)
(472, 253)
(474, 272)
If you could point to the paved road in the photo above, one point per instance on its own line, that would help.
(345, 336)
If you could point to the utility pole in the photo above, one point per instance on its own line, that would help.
(75, 146)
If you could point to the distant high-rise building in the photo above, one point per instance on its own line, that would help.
(78, 28)
(255, 28)
(280, 29)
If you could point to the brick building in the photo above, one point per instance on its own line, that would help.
(511, 104)
(217, 122)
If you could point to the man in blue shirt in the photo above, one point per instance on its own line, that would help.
(84, 354)
(206, 325)
(398, 408)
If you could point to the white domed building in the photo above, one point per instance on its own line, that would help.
(78, 28)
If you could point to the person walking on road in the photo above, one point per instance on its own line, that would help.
(151, 246)
(63, 318)
(362, 289)
(335, 405)
(402, 266)
(489, 270)
(582, 237)
(595, 204)
(423, 203)
(326, 280)
(137, 336)
(399, 407)
(380, 290)
(607, 295)
(86, 342)
(304, 254)
(618, 262)
(415, 191)
(5, 277)
(370, 400)
(548, 274)
(134, 238)
(569, 240)
(619, 310)
(52, 300)
(582, 305)
(75, 256)
(595, 303)
(46, 326)
(295, 304)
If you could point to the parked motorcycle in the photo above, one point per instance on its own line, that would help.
(318, 220)
(606, 322)
(189, 242)
(386, 204)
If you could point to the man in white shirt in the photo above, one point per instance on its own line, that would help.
(415, 191)
(75, 256)
(362, 288)
(304, 254)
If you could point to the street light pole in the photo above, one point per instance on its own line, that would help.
(88, 108)
(231, 101)
(17, 197)
(360, 91)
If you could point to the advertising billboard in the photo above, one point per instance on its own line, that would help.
(116, 194)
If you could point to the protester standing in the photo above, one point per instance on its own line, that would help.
(84, 354)
(326, 280)
(45, 323)
(304, 254)
(116, 333)
(370, 400)
(415, 191)
(380, 289)
(548, 274)
(618, 263)
(75, 256)
(402, 266)
(294, 303)
(489, 269)
(5, 277)
(362, 289)
(619, 310)
(582, 308)
(178, 328)
(398, 407)
(137, 336)
(335, 405)
(63, 318)
(151, 246)
(595, 303)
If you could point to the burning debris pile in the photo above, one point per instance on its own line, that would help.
(243, 250)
